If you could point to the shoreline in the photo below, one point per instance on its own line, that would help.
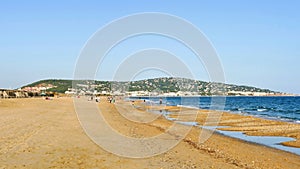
(254, 129)
(258, 112)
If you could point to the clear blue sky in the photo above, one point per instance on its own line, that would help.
(257, 40)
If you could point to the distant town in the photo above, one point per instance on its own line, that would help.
(150, 87)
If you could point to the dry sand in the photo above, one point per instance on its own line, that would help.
(37, 133)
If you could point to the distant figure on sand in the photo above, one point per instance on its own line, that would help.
(110, 99)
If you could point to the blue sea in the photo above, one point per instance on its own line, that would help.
(278, 108)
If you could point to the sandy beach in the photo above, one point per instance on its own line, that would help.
(38, 133)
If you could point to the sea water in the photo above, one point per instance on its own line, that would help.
(285, 108)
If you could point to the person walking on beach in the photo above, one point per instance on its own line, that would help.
(97, 99)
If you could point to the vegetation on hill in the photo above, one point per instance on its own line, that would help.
(161, 85)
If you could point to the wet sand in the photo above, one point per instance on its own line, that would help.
(247, 124)
(37, 133)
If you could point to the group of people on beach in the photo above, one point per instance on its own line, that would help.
(111, 99)
(97, 99)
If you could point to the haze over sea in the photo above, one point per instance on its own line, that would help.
(278, 108)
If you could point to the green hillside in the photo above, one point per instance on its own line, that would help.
(161, 85)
